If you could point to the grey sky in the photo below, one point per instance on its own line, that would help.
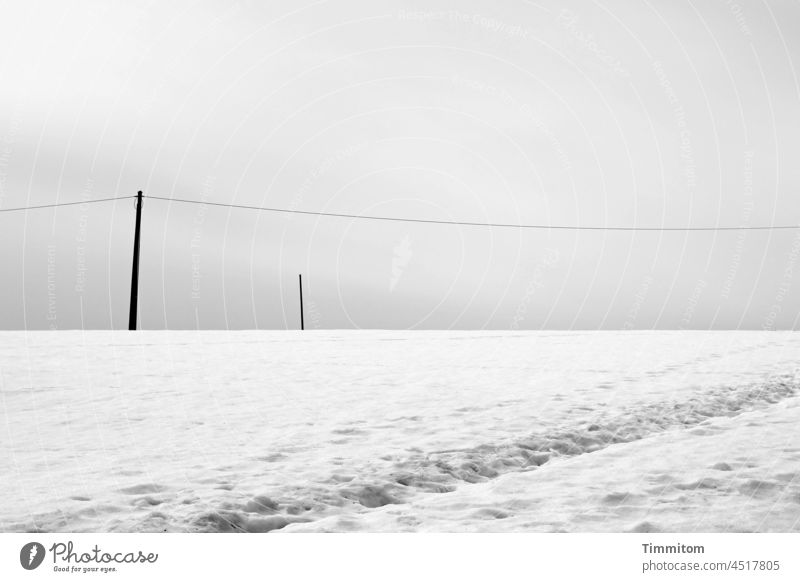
(577, 113)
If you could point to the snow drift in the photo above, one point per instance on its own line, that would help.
(400, 431)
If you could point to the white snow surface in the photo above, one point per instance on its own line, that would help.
(399, 431)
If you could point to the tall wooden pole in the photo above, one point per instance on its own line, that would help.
(135, 269)
(302, 323)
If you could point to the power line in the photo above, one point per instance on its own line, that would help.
(21, 208)
(484, 224)
(423, 220)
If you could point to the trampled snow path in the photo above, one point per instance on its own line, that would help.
(396, 431)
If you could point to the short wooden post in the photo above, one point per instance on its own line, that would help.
(302, 323)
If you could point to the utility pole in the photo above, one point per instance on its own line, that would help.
(302, 324)
(135, 269)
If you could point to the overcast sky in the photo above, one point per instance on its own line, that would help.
(564, 113)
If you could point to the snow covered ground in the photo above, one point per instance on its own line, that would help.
(400, 431)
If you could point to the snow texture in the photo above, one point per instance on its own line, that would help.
(400, 431)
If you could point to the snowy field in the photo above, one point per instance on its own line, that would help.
(400, 431)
